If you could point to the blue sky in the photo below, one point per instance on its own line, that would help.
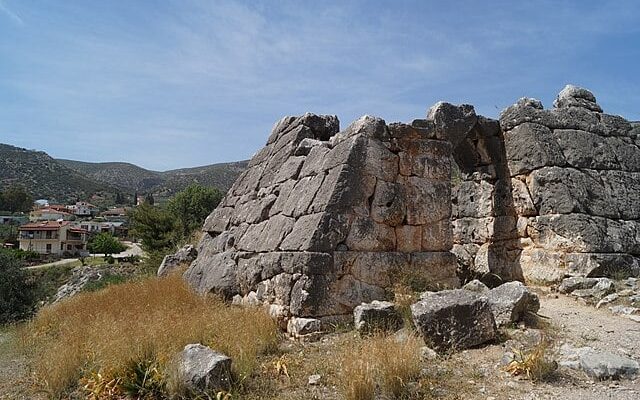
(169, 84)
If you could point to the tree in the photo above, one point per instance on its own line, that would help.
(154, 226)
(191, 206)
(149, 199)
(16, 199)
(106, 244)
(17, 291)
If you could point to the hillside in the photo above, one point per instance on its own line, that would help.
(123, 175)
(130, 177)
(45, 177)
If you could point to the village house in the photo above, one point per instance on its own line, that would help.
(50, 214)
(53, 237)
(83, 209)
(118, 214)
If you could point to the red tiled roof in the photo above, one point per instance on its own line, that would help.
(78, 230)
(44, 226)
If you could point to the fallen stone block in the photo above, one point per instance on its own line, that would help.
(200, 368)
(376, 316)
(511, 302)
(454, 319)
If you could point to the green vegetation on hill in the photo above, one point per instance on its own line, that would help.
(103, 184)
(130, 177)
(44, 177)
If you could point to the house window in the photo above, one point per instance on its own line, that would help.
(48, 247)
(61, 246)
(69, 247)
(48, 235)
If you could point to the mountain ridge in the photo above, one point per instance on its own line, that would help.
(66, 180)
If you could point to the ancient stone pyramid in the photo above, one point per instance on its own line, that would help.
(323, 220)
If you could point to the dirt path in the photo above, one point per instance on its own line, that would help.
(577, 325)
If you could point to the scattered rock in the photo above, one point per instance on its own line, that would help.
(201, 368)
(304, 328)
(601, 365)
(314, 379)
(428, 354)
(610, 298)
(568, 285)
(454, 319)
(182, 257)
(603, 287)
(376, 316)
(476, 286)
(511, 302)
(622, 310)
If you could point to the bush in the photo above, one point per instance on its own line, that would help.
(108, 339)
(17, 291)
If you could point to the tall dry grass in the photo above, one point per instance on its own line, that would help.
(380, 362)
(104, 337)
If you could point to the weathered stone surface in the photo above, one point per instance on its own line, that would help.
(182, 257)
(573, 96)
(452, 122)
(213, 272)
(568, 285)
(531, 146)
(476, 286)
(602, 365)
(426, 194)
(473, 199)
(574, 145)
(453, 319)
(376, 316)
(300, 327)
(202, 369)
(511, 302)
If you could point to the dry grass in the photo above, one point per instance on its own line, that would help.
(382, 362)
(118, 336)
(536, 364)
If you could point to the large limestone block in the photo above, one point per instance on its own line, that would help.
(626, 152)
(408, 238)
(473, 230)
(522, 202)
(319, 232)
(452, 122)
(433, 270)
(473, 199)
(573, 96)
(427, 159)
(368, 235)
(531, 146)
(322, 127)
(428, 200)
(623, 189)
(374, 268)
(512, 302)
(540, 266)
(566, 190)
(437, 236)
(213, 273)
(454, 319)
(585, 150)
(389, 204)
(202, 369)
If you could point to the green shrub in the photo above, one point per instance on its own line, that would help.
(17, 291)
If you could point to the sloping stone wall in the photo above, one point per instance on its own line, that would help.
(322, 221)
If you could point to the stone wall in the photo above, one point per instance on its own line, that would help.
(322, 221)
(553, 193)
